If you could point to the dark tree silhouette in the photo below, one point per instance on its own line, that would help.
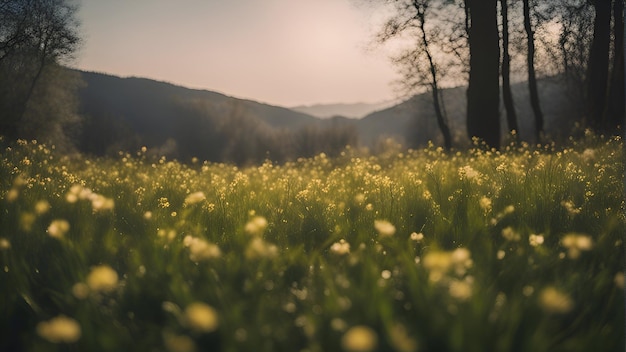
(507, 95)
(532, 78)
(598, 64)
(615, 108)
(418, 65)
(34, 35)
(483, 93)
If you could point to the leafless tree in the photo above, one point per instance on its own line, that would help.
(34, 36)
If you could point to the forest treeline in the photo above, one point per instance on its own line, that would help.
(485, 45)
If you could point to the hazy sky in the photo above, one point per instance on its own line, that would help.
(283, 52)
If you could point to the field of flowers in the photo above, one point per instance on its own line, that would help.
(518, 250)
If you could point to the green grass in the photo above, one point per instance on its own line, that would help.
(519, 250)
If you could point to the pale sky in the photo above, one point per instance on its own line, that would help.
(282, 52)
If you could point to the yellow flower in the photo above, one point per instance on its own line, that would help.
(485, 204)
(59, 329)
(554, 301)
(535, 240)
(58, 228)
(42, 207)
(102, 278)
(384, 228)
(179, 343)
(359, 339)
(201, 317)
(619, 280)
(4, 243)
(576, 243)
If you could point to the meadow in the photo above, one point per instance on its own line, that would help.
(481, 250)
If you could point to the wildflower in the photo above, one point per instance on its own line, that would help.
(461, 260)
(42, 207)
(80, 290)
(438, 263)
(401, 340)
(257, 248)
(417, 237)
(27, 220)
(535, 240)
(468, 172)
(164, 203)
(168, 234)
(12, 195)
(178, 343)
(58, 228)
(201, 317)
(588, 155)
(359, 198)
(59, 329)
(147, 215)
(338, 324)
(510, 235)
(101, 203)
(570, 207)
(485, 204)
(619, 280)
(501, 254)
(256, 226)
(340, 248)
(102, 278)
(460, 289)
(576, 243)
(554, 301)
(359, 339)
(194, 198)
(384, 228)
(4, 244)
(200, 249)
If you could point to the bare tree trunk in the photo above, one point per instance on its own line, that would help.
(615, 108)
(507, 95)
(532, 79)
(441, 119)
(598, 64)
(483, 92)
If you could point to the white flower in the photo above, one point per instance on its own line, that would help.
(58, 228)
(576, 243)
(340, 248)
(384, 228)
(200, 249)
(256, 226)
(194, 198)
(417, 237)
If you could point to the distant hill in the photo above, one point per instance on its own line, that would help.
(127, 113)
(353, 111)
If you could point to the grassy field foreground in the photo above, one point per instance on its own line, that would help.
(519, 250)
